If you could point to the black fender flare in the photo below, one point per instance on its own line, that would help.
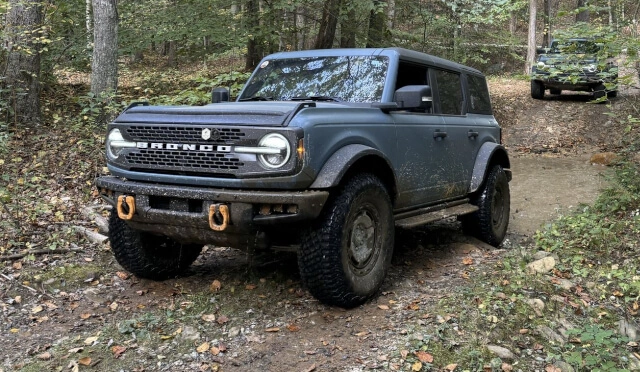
(490, 153)
(341, 161)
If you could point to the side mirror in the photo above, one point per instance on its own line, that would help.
(219, 95)
(414, 97)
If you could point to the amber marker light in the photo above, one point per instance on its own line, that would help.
(300, 149)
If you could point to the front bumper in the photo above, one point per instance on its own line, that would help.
(182, 212)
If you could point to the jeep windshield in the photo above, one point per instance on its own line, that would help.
(341, 78)
(574, 47)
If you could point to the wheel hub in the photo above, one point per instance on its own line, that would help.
(361, 245)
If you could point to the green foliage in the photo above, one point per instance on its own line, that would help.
(201, 93)
(595, 348)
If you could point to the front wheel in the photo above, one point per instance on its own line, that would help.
(345, 256)
(537, 89)
(489, 223)
(146, 255)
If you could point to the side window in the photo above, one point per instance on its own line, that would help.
(411, 74)
(450, 92)
(479, 101)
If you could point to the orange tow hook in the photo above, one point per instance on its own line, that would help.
(126, 207)
(218, 217)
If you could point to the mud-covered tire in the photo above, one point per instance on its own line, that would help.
(537, 89)
(146, 255)
(345, 255)
(555, 91)
(489, 223)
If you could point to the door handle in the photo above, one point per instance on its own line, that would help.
(438, 134)
(472, 134)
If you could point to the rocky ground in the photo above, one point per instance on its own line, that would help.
(78, 310)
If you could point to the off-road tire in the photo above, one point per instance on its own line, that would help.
(537, 89)
(489, 223)
(555, 91)
(599, 91)
(359, 215)
(146, 255)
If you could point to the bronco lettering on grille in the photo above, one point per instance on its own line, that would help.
(182, 146)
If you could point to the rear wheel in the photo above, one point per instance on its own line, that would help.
(599, 91)
(489, 223)
(146, 255)
(345, 256)
(537, 89)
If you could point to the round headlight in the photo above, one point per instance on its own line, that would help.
(592, 68)
(115, 143)
(281, 153)
(541, 65)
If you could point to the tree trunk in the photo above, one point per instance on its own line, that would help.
(254, 44)
(328, 24)
(377, 26)
(348, 28)
(87, 20)
(546, 36)
(22, 77)
(531, 49)
(104, 66)
(583, 15)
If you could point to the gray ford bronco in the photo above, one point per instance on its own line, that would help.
(324, 151)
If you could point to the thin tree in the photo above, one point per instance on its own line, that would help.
(377, 35)
(22, 78)
(531, 44)
(583, 11)
(104, 66)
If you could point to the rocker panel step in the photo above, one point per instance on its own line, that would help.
(440, 214)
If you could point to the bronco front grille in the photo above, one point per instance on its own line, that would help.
(183, 160)
(183, 134)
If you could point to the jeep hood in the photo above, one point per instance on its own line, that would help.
(271, 113)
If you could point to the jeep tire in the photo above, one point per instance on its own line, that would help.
(599, 91)
(489, 223)
(537, 89)
(146, 255)
(345, 255)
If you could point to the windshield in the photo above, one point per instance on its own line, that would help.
(575, 47)
(344, 78)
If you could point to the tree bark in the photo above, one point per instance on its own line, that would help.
(104, 65)
(22, 76)
(531, 44)
(254, 44)
(376, 36)
(328, 24)
(546, 36)
(583, 15)
(348, 28)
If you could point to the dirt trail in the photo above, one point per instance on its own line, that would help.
(264, 320)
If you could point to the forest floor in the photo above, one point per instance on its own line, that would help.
(449, 302)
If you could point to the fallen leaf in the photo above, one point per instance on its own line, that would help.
(88, 259)
(310, 369)
(310, 352)
(90, 340)
(222, 319)
(467, 261)
(113, 306)
(85, 315)
(84, 361)
(214, 350)
(417, 366)
(451, 367)
(524, 331)
(424, 357)
(118, 351)
(272, 329)
(122, 275)
(208, 317)
(215, 286)
(293, 327)
(73, 366)
(17, 265)
(222, 347)
(250, 287)
(202, 348)
(551, 368)
(383, 307)
(404, 353)
(44, 356)
(506, 367)
(50, 305)
(363, 333)
(75, 350)
(18, 299)
(37, 309)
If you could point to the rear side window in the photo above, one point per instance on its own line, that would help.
(479, 101)
(450, 92)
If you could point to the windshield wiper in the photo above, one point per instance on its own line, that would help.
(256, 98)
(317, 98)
